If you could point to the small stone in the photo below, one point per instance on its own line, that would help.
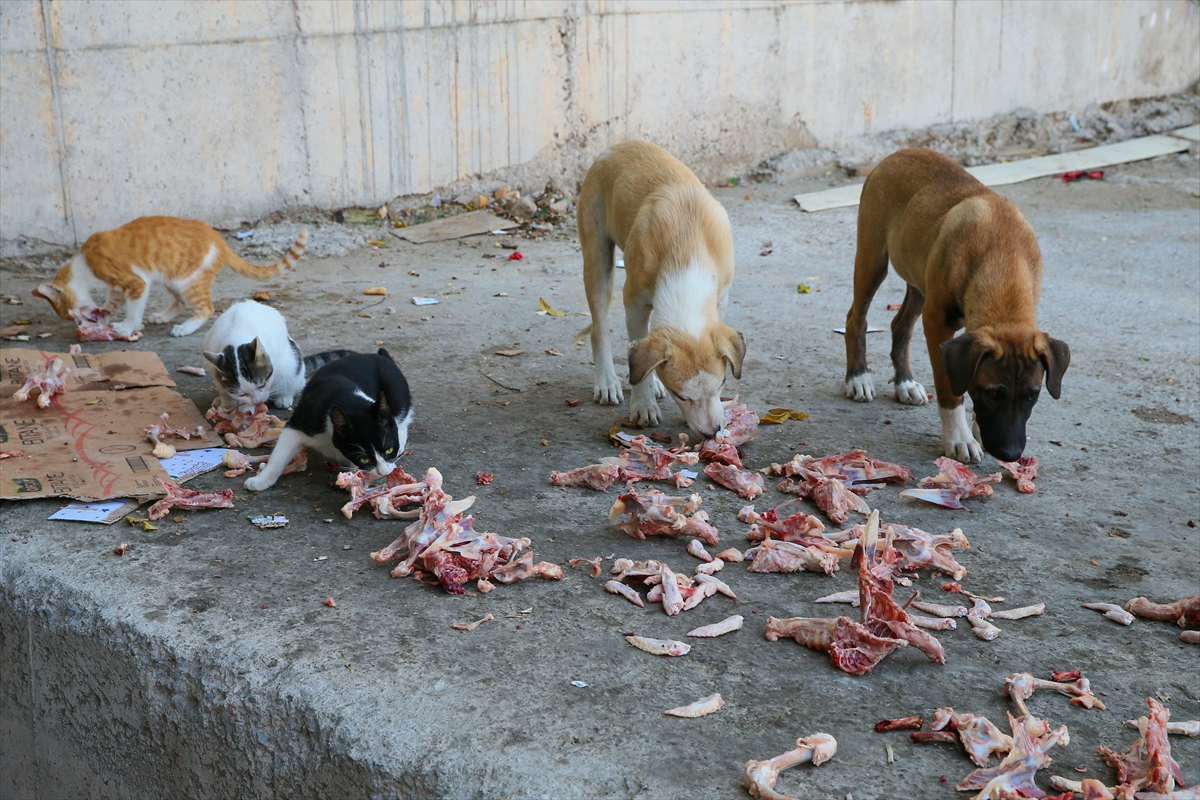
(524, 209)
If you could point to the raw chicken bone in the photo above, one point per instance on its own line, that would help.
(747, 484)
(700, 708)
(979, 736)
(760, 777)
(93, 326)
(1021, 686)
(851, 646)
(1024, 472)
(1148, 763)
(642, 460)
(246, 429)
(49, 379)
(178, 497)
(1014, 776)
(953, 483)
(776, 556)
(1185, 613)
(655, 514)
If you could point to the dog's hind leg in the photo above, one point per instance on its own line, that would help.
(870, 268)
(597, 248)
(908, 391)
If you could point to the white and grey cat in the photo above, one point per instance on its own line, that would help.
(252, 359)
(355, 408)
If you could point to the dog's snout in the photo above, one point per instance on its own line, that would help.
(1008, 453)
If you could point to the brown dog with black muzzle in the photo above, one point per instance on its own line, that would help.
(970, 260)
(678, 270)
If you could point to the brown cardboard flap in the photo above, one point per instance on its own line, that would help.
(113, 371)
(92, 445)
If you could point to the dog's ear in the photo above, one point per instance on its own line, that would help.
(1056, 357)
(646, 354)
(960, 358)
(731, 345)
(47, 291)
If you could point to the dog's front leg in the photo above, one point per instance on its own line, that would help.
(958, 441)
(643, 399)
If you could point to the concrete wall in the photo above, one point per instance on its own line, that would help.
(230, 110)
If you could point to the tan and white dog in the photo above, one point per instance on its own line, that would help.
(678, 268)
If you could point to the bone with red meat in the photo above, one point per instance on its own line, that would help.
(49, 379)
(655, 514)
(829, 494)
(246, 429)
(772, 555)
(642, 460)
(740, 426)
(445, 544)
(238, 462)
(1021, 686)
(389, 498)
(1185, 613)
(901, 724)
(1024, 472)
(747, 484)
(760, 777)
(1148, 763)
(914, 548)
(159, 431)
(851, 646)
(93, 326)
(953, 483)
(834, 482)
(12, 454)
(979, 736)
(1014, 775)
(178, 497)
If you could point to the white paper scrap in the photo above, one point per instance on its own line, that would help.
(105, 513)
(425, 301)
(190, 463)
(687, 473)
(579, 684)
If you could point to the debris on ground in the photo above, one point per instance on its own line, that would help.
(199, 371)
(748, 485)
(268, 521)
(778, 416)
(901, 724)
(470, 626)
(178, 497)
(658, 647)
(443, 544)
(953, 483)
(49, 379)
(143, 521)
(1112, 611)
(641, 460)
(93, 326)
(760, 777)
(329, 601)
(1020, 686)
(655, 514)
(246, 429)
(1024, 472)
(727, 625)
(484, 478)
(121, 549)
(834, 482)
(700, 708)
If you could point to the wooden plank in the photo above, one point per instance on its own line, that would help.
(456, 227)
(1017, 171)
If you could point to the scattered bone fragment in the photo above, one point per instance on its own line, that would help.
(933, 623)
(1191, 728)
(891, 756)
(731, 555)
(979, 736)
(1148, 763)
(658, 647)
(1024, 472)
(727, 625)
(849, 596)
(901, 724)
(329, 601)
(851, 646)
(49, 379)
(178, 497)
(982, 628)
(1189, 637)
(192, 370)
(121, 549)
(696, 548)
(1035, 610)
(717, 584)
(939, 610)
(483, 585)
(1021, 686)
(759, 777)
(1185, 613)
(1113, 612)
(470, 626)
(594, 562)
(716, 565)
(1014, 776)
(702, 707)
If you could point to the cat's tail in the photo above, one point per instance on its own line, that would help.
(317, 360)
(243, 267)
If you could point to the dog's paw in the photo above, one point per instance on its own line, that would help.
(911, 393)
(124, 328)
(607, 391)
(861, 388)
(645, 416)
(258, 483)
(957, 440)
(660, 391)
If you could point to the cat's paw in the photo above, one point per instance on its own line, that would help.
(124, 328)
(284, 403)
(185, 328)
(161, 317)
(258, 483)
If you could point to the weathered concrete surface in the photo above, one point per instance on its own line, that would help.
(230, 111)
(149, 675)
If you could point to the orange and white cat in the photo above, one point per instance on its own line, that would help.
(182, 255)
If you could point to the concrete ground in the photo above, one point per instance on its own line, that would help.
(203, 663)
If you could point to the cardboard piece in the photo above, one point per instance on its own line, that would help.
(113, 371)
(91, 445)
(456, 227)
(1017, 171)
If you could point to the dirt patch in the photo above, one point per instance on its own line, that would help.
(1161, 415)
(1117, 577)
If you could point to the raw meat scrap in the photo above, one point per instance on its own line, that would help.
(178, 497)
(600, 477)
(246, 429)
(1034, 610)
(93, 326)
(799, 527)
(1014, 776)
(12, 454)
(1090, 788)
(658, 647)
(1113, 612)
(676, 592)
(759, 777)
(616, 587)
(1024, 472)
(914, 548)
(1185, 613)
(901, 724)
(1190, 728)
(979, 736)
(700, 708)
(388, 499)
(830, 495)
(655, 514)
(159, 431)
(445, 544)
(740, 426)
(1148, 763)
(594, 563)
(49, 379)
(238, 463)
(776, 556)
(484, 478)
(470, 626)
(1021, 686)
(199, 371)
(696, 548)
(727, 625)
(851, 646)
(641, 460)
(747, 484)
(939, 610)
(731, 555)
(722, 453)
(856, 469)
(953, 483)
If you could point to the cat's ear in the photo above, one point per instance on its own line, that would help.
(341, 425)
(47, 291)
(385, 354)
(382, 408)
(216, 359)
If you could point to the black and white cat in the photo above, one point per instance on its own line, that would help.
(252, 359)
(356, 408)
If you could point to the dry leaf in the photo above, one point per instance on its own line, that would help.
(509, 353)
(549, 309)
(553, 352)
(778, 416)
(261, 296)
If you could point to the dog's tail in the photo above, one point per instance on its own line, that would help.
(243, 267)
(583, 334)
